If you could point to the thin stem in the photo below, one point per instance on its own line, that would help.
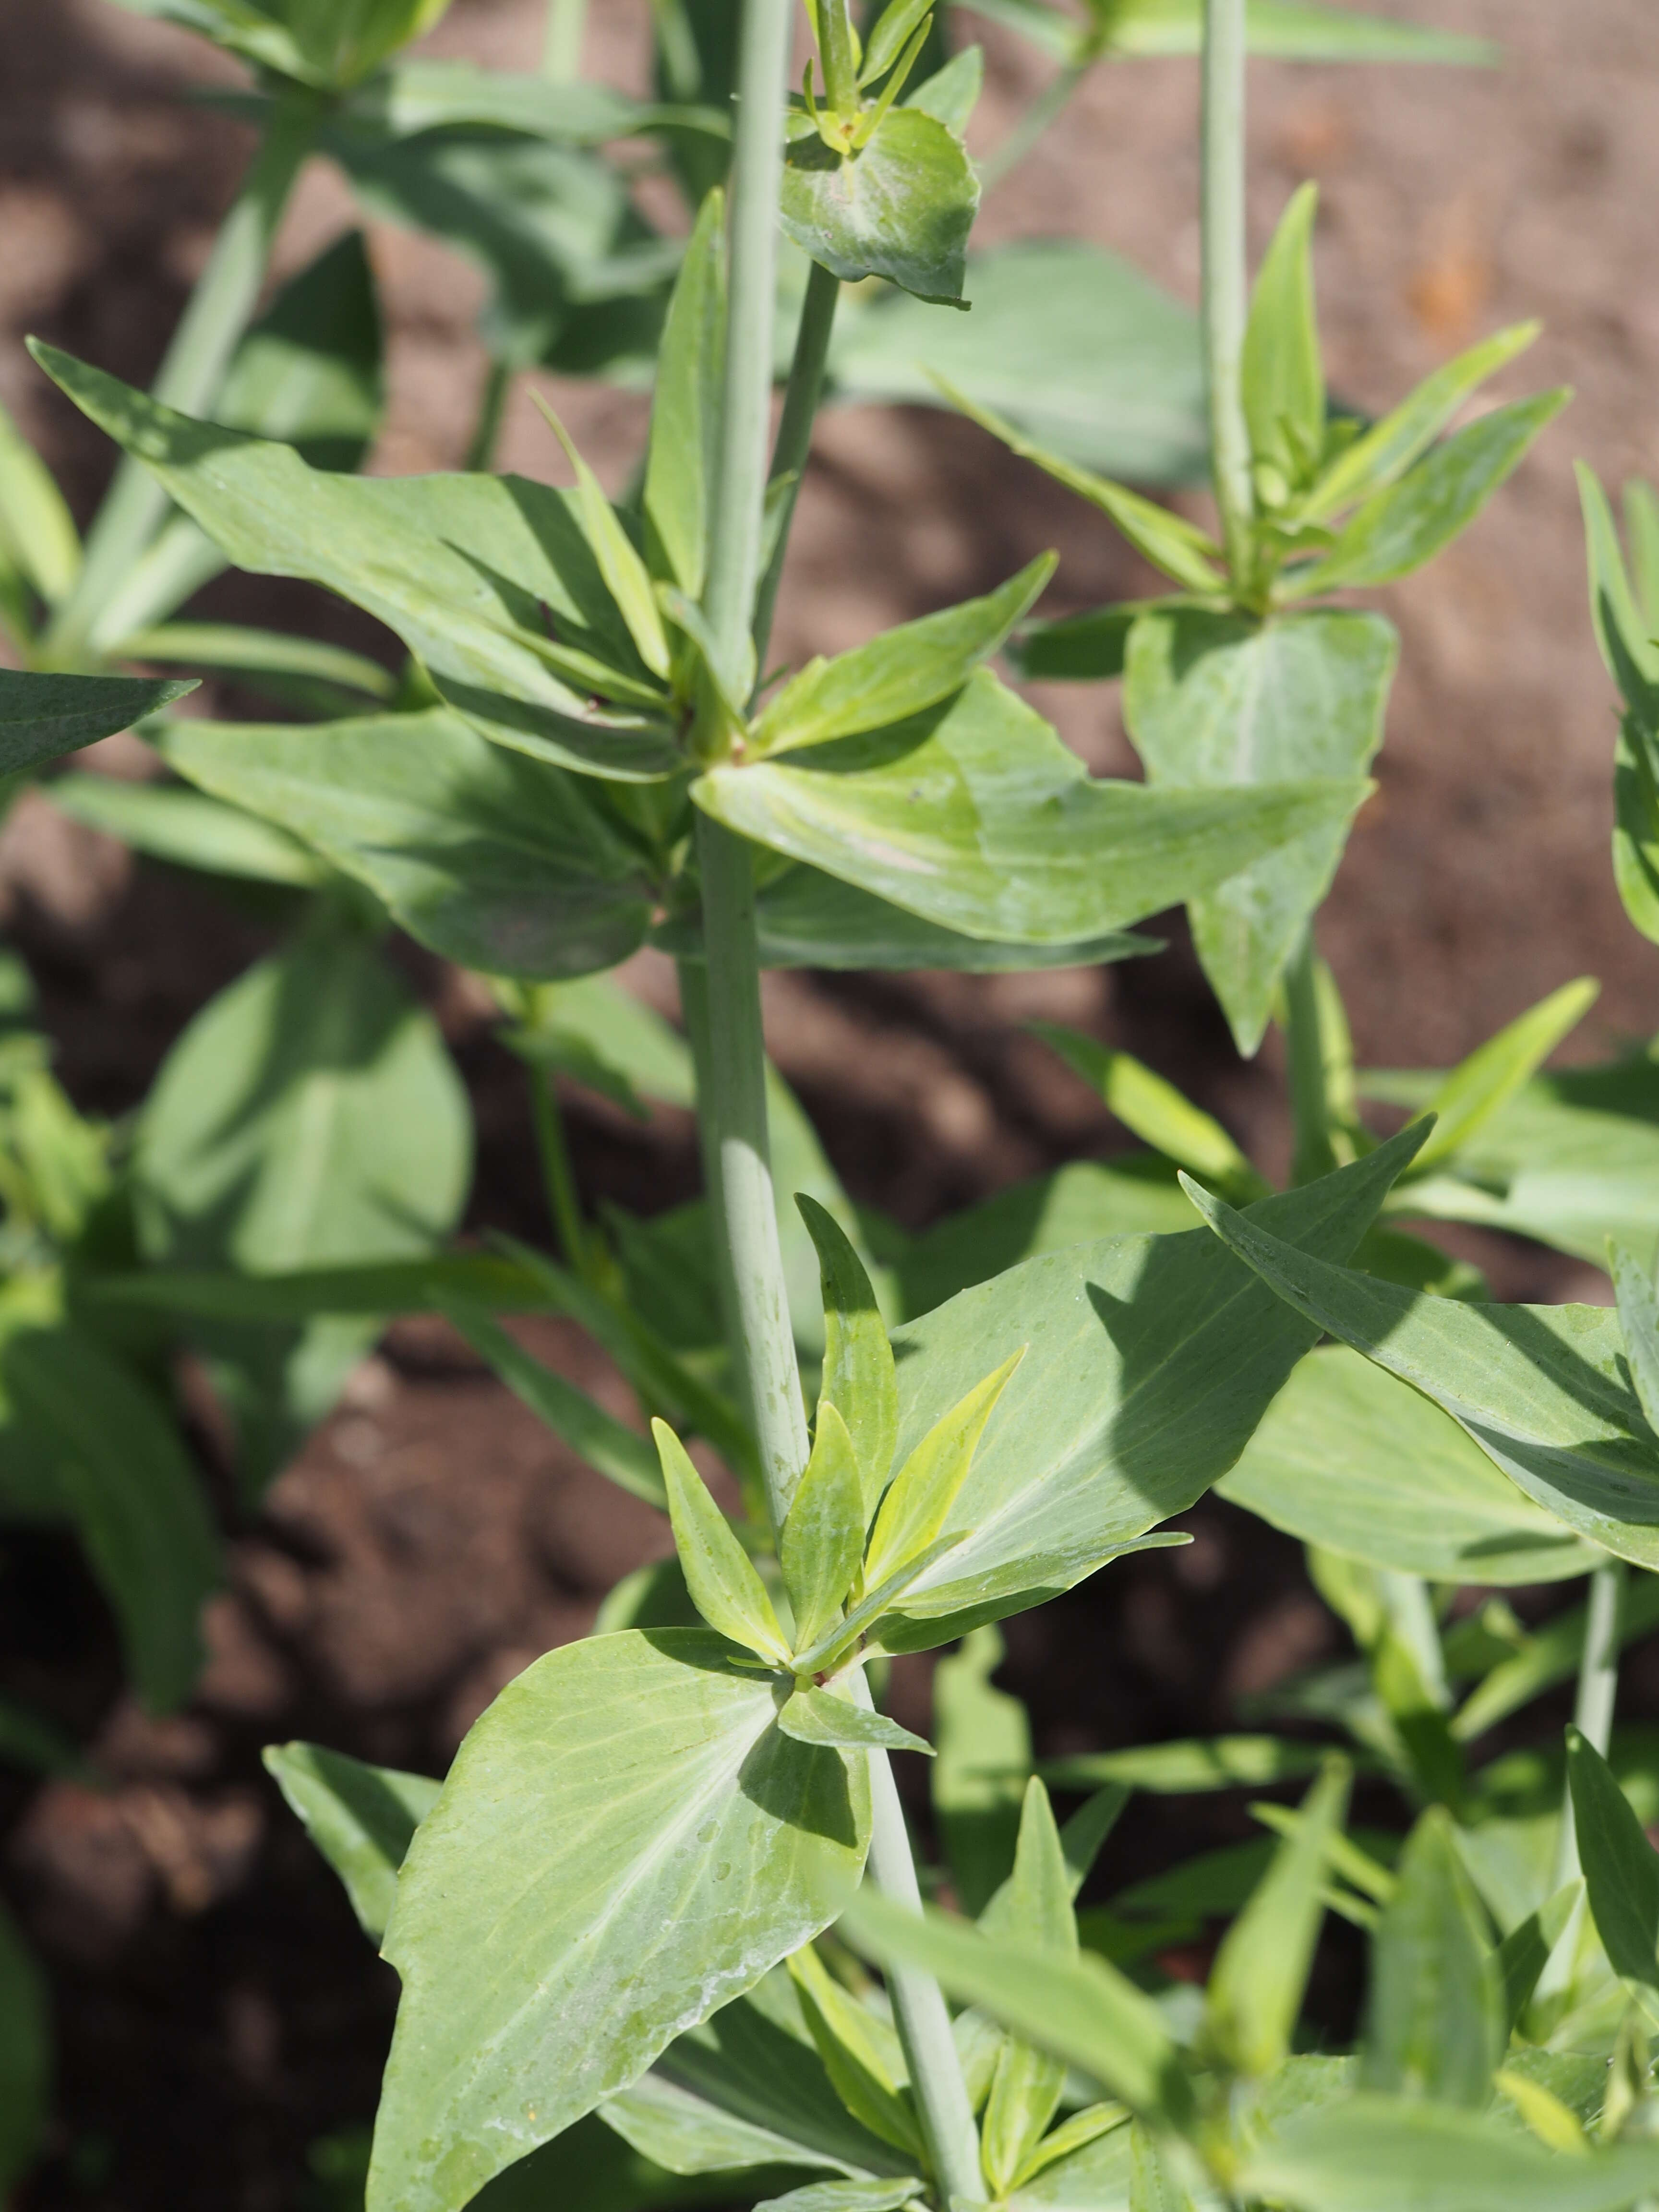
(794, 438)
(557, 1175)
(190, 375)
(566, 29)
(1043, 112)
(1224, 287)
(492, 406)
(1305, 1057)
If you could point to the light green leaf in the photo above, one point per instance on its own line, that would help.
(846, 2196)
(36, 531)
(1033, 1909)
(890, 36)
(1549, 1654)
(499, 862)
(951, 93)
(594, 1031)
(1381, 455)
(1294, 30)
(722, 1578)
(1284, 384)
(617, 1452)
(561, 1918)
(680, 457)
(255, 653)
(977, 817)
(1261, 1971)
(822, 1716)
(468, 570)
(1220, 700)
(822, 1545)
(25, 2056)
(930, 1478)
(1524, 1952)
(1203, 1762)
(1081, 2010)
(423, 92)
(169, 822)
(1541, 1389)
(843, 1639)
(1168, 540)
(1479, 1090)
(1406, 524)
(860, 2053)
(984, 1748)
(899, 673)
(1638, 1319)
(1621, 1872)
(626, 576)
(857, 1360)
(1155, 1111)
(1435, 2023)
(362, 1819)
(900, 208)
(42, 717)
(1149, 1367)
(1352, 1460)
(423, 1285)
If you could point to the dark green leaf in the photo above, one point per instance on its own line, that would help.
(1524, 1952)
(362, 1819)
(1435, 2023)
(1621, 1870)
(900, 208)
(25, 2056)
(42, 717)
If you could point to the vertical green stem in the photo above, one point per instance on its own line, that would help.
(557, 1174)
(567, 28)
(189, 377)
(794, 439)
(1225, 283)
(486, 429)
(1305, 1057)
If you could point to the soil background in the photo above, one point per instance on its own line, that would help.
(219, 2016)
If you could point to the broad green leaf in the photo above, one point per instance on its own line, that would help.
(822, 1545)
(468, 570)
(1070, 342)
(36, 531)
(562, 1914)
(498, 862)
(1203, 1762)
(1221, 699)
(362, 1819)
(1541, 1389)
(899, 673)
(1435, 2023)
(1148, 1368)
(900, 208)
(977, 817)
(1086, 648)
(168, 822)
(1384, 454)
(846, 2196)
(857, 1360)
(1400, 527)
(1033, 1909)
(25, 2056)
(42, 717)
(1371, 2153)
(1524, 1952)
(821, 1716)
(860, 2053)
(931, 1476)
(1084, 2176)
(1621, 1871)
(120, 1467)
(1283, 382)
(1639, 1320)
(1168, 540)
(1154, 1110)
(616, 1451)
(626, 577)
(680, 458)
(722, 1578)
(310, 1116)
(978, 1779)
(1081, 2010)
(1256, 1985)
(1478, 1090)
(1352, 1460)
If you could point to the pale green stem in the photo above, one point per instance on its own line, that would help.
(794, 439)
(487, 430)
(566, 29)
(1305, 1054)
(1224, 301)
(557, 1174)
(1042, 113)
(220, 308)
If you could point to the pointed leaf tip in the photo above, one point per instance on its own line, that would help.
(722, 1578)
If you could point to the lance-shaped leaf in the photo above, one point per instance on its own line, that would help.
(1033, 1909)
(899, 673)
(1149, 1367)
(1283, 383)
(1200, 1763)
(902, 207)
(975, 817)
(1621, 1871)
(43, 717)
(822, 1545)
(1480, 1089)
(1261, 1971)
(1525, 1951)
(1081, 2009)
(858, 1360)
(930, 1479)
(1638, 1318)
(1407, 523)
(680, 457)
(1549, 1656)
(860, 2052)
(36, 531)
(1291, 30)
(1354, 1461)
(624, 1844)
(721, 1575)
(1542, 1390)
(1220, 700)
(25, 2055)
(470, 571)
(362, 1819)
(1154, 1110)
(626, 577)
(500, 863)
(823, 1716)
(1435, 2023)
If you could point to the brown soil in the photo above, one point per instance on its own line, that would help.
(217, 2011)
